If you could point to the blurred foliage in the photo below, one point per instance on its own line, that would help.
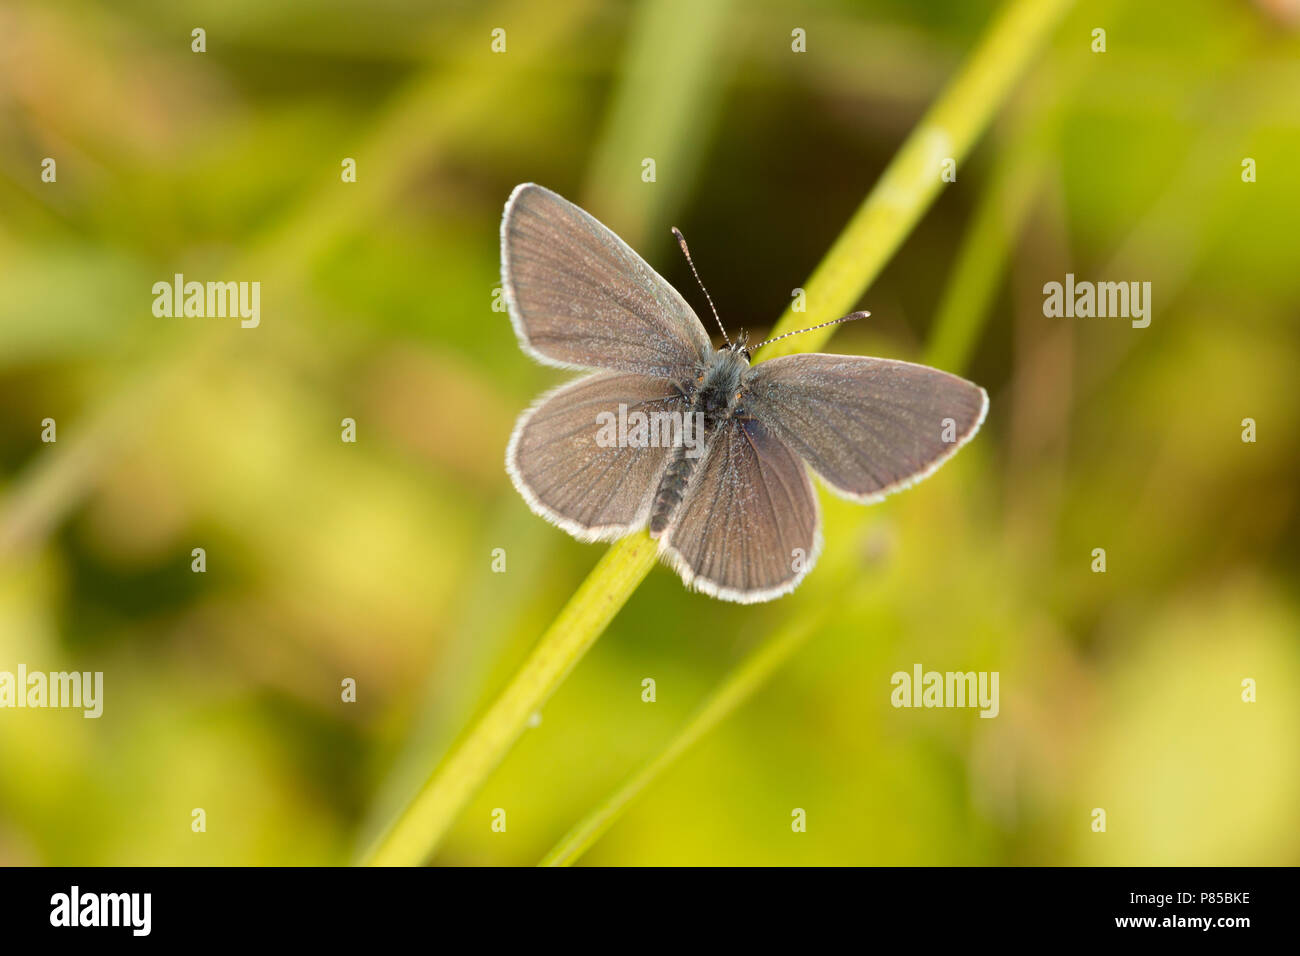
(373, 561)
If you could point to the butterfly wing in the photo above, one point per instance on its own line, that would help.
(556, 459)
(579, 297)
(748, 528)
(868, 426)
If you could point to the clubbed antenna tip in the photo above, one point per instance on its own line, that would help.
(681, 241)
(848, 318)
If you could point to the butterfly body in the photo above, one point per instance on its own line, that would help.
(715, 395)
(734, 510)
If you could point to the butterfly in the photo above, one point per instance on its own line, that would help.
(734, 512)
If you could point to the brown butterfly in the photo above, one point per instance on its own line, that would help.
(734, 512)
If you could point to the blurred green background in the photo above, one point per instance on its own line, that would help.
(373, 560)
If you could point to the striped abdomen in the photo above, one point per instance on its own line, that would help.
(671, 488)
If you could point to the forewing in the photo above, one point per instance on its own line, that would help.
(748, 528)
(556, 459)
(579, 297)
(868, 426)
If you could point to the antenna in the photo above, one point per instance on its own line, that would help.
(848, 318)
(681, 241)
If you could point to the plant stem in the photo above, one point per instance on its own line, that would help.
(735, 689)
(424, 822)
(914, 176)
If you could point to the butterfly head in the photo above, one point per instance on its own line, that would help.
(740, 345)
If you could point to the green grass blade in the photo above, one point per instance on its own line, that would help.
(738, 686)
(424, 821)
(672, 81)
(913, 178)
